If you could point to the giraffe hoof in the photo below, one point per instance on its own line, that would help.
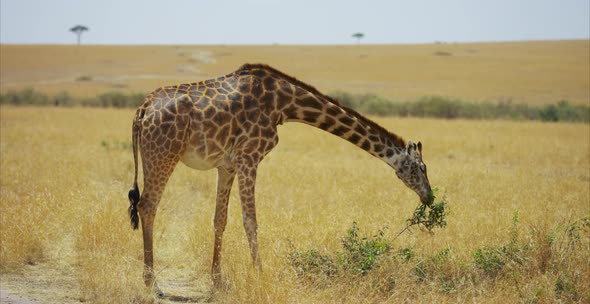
(219, 284)
(157, 291)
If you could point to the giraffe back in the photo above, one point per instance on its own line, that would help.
(228, 117)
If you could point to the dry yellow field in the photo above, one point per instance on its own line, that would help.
(65, 234)
(64, 176)
(529, 72)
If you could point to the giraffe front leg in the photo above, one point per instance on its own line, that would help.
(247, 183)
(225, 178)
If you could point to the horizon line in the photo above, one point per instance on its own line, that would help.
(296, 44)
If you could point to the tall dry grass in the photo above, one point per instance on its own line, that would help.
(61, 201)
(65, 174)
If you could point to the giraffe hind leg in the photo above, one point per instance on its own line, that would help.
(162, 142)
(154, 185)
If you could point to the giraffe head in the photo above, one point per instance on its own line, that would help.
(412, 171)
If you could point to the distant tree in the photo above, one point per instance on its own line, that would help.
(78, 30)
(358, 37)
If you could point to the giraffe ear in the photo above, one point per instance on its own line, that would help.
(420, 147)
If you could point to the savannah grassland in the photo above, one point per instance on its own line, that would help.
(518, 192)
(537, 72)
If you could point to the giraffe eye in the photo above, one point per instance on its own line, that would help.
(423, 168)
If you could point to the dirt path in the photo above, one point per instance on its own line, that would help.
(54, 282)
(41, 284)
(6, 297)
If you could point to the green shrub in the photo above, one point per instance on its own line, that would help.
(29, 96)
(436, 106)
(429, 106)
(490, 259)
(450, 108)
(120, 100)
(361, 254)
(558, 256)
(63, 99)
(310, 263)
(114, 99)
(26, 96)
(549, 113)
(442, 53)
(435, 217)
(376, 105)
(346, 99)
(406, 254)
(84, 78)
(563, 111)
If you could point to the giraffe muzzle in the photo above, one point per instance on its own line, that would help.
(427, 199)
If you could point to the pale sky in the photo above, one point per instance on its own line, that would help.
(291, 22)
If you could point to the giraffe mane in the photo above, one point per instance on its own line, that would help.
(397, 140)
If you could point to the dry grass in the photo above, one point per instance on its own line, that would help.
(530, 72)
(65, 175)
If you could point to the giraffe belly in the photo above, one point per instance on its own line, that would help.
(198, 161)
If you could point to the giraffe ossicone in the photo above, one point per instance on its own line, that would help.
(230, 123)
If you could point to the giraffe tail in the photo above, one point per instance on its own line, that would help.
(133, 200)
(134, 192)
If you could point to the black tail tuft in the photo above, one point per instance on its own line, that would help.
(133, 200)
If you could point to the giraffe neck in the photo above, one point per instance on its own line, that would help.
(293, 100)
(309, 106)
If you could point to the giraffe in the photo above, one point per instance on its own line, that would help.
(230, 123)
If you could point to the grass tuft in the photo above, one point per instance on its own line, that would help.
(110, 259)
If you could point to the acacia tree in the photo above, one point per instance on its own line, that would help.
(358, 37)
(78, 30)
